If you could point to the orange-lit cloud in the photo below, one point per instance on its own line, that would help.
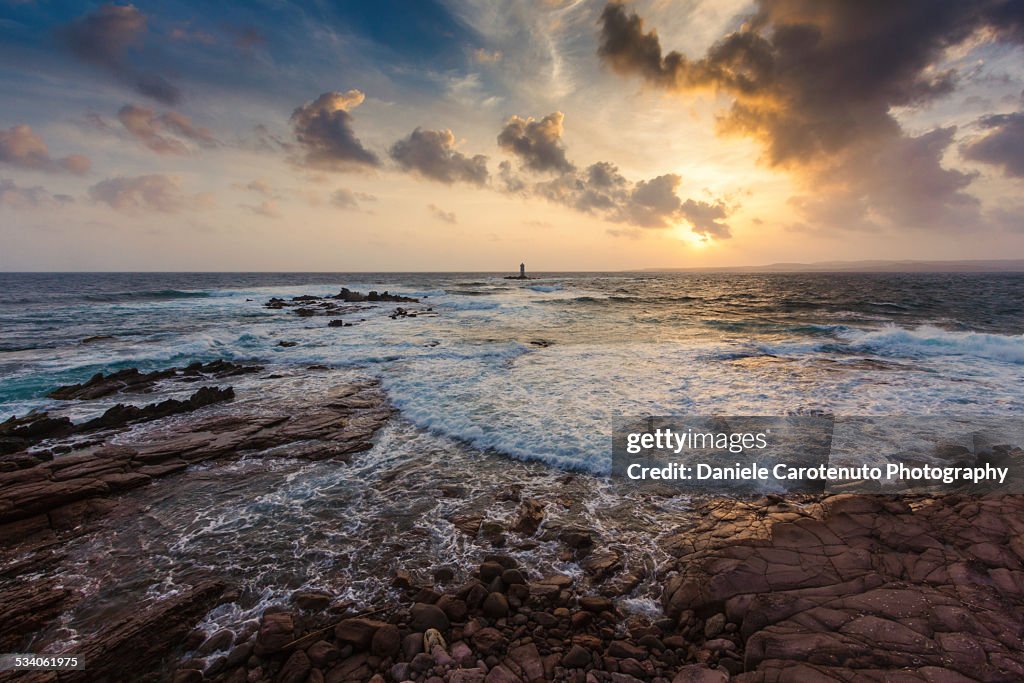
(815, 83)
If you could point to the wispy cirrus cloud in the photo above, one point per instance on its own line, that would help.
(167, 133)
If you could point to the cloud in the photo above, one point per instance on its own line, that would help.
(483, 56)
(163, 133)
(248, 37)
(707, 218)
(602, 191)
(740, 62)
(900, 185)
(259, 186)
(323, 129)
(267, 209)
(11, 195)
(266, 140)
(442, 215)
(186, 34)
(1002, 146)
(815, 84)
(537, 144)
(103, 37)
(432, 154)
(348, 199)
(155, 191)
(20, 146)
(510, 181)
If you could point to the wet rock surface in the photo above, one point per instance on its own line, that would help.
(132, 380)
(34, 483)
(48, 498)
(19, 434)
(344, 302)
(842, 588)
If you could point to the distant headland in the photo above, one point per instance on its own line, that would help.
(909, 266)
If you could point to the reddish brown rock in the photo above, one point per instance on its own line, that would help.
(358, 631)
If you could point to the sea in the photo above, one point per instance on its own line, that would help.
(511, 384)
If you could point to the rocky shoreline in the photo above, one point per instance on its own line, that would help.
(841, 588)
(846, 588)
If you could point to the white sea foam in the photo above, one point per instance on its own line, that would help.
(928, 340)
(539, 374)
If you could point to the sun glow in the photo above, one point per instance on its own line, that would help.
(690, 238)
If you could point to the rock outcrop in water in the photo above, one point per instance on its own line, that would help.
(133, 381)
(18, 434)
(349, 296)
(309, 305)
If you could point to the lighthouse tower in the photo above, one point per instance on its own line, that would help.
(522, 270)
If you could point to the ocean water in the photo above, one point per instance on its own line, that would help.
(511, 385)
(536, 369)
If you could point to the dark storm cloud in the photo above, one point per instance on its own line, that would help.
(538, 144)
(815, 80)
(743, 61)
(812, 76)
(601, 190)
(20, 146)
(103, 37)
(166, 133)
(323, 129)
(432, 154)
(903, 182)
(1002, 145)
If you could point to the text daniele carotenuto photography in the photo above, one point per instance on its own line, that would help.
(454, 341)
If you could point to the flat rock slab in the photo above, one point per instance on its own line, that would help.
(859, 585)
(343, 422)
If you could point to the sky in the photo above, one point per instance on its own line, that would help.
(469, 135)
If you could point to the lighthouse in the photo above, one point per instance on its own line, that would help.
(522, 270)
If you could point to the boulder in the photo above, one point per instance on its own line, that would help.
(357, 631)
(424, 616)
(386, 641)
(495, 606)
(276, 630)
